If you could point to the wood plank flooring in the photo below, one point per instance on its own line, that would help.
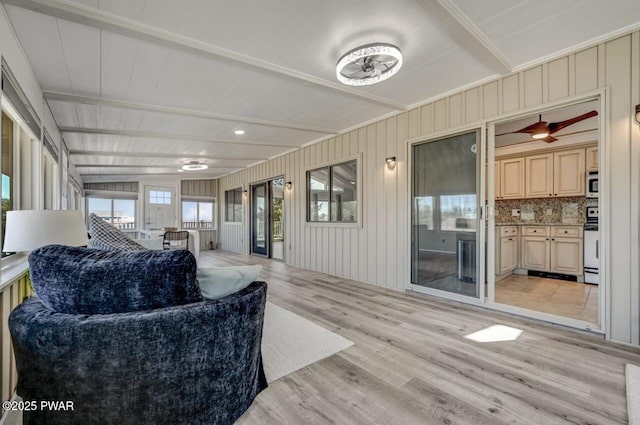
(411, 362)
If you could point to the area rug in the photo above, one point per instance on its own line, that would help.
(291, 342)
(633, 394)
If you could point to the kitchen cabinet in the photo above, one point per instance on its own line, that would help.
(568, 173)
(566, 250)
(554, 174)
(507, 249)
(536, 248)
(511, 178)
(556, 249)
(591, 158)
(539, 176)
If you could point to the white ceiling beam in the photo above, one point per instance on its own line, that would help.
(168, 136)
(471, 28)
(173, 167)
(158, 155)
(116, 103)
(103, 177)
(84, 15)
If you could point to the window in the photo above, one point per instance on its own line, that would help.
(458, 212)
(159, 197)
(233, 202)
(197, 215)
(7, 172)
(332, 194)
(424, 211)
(119, 212)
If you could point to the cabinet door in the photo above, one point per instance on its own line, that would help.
(535, 253)
(496, 180)
(568, 175)
(591, 158)
(512, 178)
(539, 176)
(566, 255)
(508, 254)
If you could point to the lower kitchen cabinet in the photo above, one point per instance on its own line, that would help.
(507, 247)
(555, 249)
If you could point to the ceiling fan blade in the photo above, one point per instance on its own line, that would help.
(549, 139)
(557, 126)
(533, 128)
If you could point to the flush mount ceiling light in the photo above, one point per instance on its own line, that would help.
(195, 166)
(238, 132)
(369, 64)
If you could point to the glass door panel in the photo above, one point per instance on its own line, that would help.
(445, 219)
(277, 218)
(260, 219)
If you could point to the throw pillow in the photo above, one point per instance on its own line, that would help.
(89, 281)
(109, 238)
(218, 282)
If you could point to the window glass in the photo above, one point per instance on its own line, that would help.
(318, 183)
(424, 212)
(124, 214)
(159, 197)
(119, 212)
(233, 202)
(7, 172)
(197, 215)
(343, 192)
(333, 194)
(458, 212)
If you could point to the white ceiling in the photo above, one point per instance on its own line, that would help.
(163, 82)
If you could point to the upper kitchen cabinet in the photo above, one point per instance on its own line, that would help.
(539, 176)
(591, 154)
(568, 173)
(511, 178)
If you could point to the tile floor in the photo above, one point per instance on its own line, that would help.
(559, 297)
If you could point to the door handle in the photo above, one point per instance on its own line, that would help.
(597, 255)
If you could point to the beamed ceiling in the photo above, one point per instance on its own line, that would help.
(143, 86)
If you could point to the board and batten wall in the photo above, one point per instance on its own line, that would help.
(376, 251)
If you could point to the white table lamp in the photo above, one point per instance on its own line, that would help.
(27, 230)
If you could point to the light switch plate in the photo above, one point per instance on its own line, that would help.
(515, 212)
(528, 216)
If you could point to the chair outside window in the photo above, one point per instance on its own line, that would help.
(176, 240)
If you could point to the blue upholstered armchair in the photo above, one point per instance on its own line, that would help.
(127, 338)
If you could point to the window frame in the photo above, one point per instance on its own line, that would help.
(226, 205)
(359, 204)
(113, 198)
(199, 200)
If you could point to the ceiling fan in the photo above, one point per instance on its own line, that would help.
(543, 130)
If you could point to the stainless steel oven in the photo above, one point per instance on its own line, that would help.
(592, 184)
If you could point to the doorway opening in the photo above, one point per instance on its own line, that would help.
(546, 205)
(267, 218)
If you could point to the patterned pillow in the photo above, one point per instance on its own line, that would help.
(108, 238)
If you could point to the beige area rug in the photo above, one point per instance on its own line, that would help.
(633, 394)
(291, 342)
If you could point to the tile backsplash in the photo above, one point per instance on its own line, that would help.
(543, 210)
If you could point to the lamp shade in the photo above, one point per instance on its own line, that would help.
(30, 229)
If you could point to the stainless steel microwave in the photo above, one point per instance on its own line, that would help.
(592, 184)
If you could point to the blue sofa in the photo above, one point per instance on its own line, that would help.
(127, 338)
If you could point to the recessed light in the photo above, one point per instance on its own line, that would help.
(238, 132)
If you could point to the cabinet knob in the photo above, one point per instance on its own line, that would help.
(535, 231)
(566, 231)
(552, 239)
(549, 194)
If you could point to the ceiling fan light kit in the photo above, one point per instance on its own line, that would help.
(195, 166)
(369, 64)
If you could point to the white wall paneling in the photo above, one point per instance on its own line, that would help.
(377, 251)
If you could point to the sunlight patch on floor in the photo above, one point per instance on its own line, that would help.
(495, 333)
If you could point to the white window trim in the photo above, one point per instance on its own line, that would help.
(198, 199)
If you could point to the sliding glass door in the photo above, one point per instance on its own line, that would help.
(260, 219)
(446, 223)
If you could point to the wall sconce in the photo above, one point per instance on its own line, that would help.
(638, 114)
(288, 185)
(245, 192)
(391, 162)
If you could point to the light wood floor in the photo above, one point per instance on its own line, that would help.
(553, 296)
(411, 362)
